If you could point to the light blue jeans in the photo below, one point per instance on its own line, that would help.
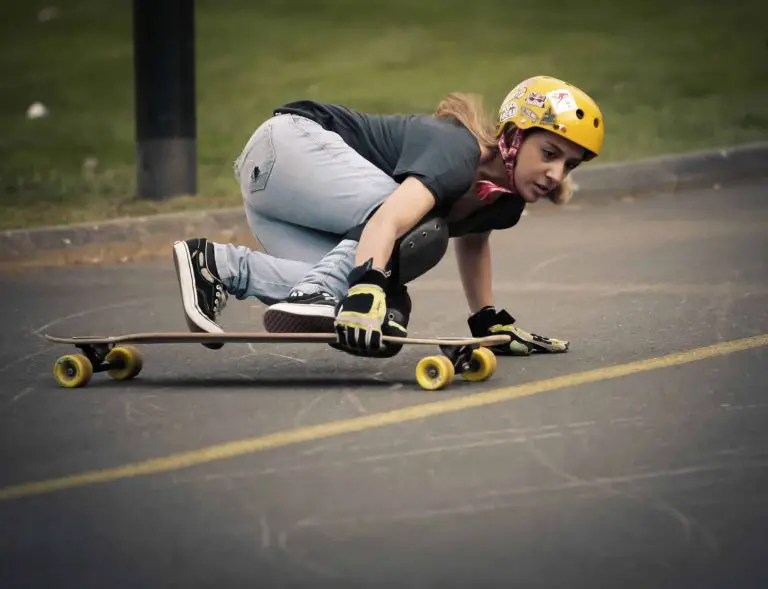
(303, 188)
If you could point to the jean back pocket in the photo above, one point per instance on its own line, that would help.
(254, 166)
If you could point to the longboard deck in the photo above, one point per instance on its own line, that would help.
(263, 337)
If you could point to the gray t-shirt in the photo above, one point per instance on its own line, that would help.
(442, 154)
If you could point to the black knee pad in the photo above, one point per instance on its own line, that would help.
(421, 249)
(416, 252)
(398, 312)
(398, 305)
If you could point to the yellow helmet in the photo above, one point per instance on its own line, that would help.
(557, 106)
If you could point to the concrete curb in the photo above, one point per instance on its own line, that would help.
(670, 174)
(120, 240)
(141, 237)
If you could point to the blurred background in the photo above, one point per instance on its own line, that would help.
(669, 77)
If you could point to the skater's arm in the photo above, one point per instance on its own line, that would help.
(400, 212)
(473, 254)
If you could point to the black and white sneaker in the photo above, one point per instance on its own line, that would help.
(302, 313)
(202, 291)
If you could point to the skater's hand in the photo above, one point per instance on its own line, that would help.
(489, 321)
(361, 313)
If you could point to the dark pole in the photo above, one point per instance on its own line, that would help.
(164, 80)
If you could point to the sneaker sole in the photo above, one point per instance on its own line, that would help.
(292, 320)
(196, 319)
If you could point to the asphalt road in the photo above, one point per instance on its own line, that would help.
(207, 469)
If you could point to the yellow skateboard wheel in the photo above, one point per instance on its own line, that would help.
(73, 371)
(128, 362)
(483, 363)
(434, 372)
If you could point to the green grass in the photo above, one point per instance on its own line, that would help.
(669, 77)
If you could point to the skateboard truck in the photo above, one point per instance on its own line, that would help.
(97, 354)
(460, 357)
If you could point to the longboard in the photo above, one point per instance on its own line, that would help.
(469, 357)
(262, 337)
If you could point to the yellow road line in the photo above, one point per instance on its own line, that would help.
(397, 416)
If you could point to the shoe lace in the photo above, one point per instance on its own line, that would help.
(220, 299)
(322, 294)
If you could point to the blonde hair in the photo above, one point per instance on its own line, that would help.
(468, 110)
(563, 193)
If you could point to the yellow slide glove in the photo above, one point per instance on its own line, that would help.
(489, 321)
(361, 313)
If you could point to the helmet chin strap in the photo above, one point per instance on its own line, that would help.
(509, 146)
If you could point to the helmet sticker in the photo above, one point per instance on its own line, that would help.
(549, 118)
(508, 111)
(536, 99)
(562, 101)
(518, 93)
(527, 112)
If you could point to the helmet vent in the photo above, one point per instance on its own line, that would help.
(580, 114)
(597, 122)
